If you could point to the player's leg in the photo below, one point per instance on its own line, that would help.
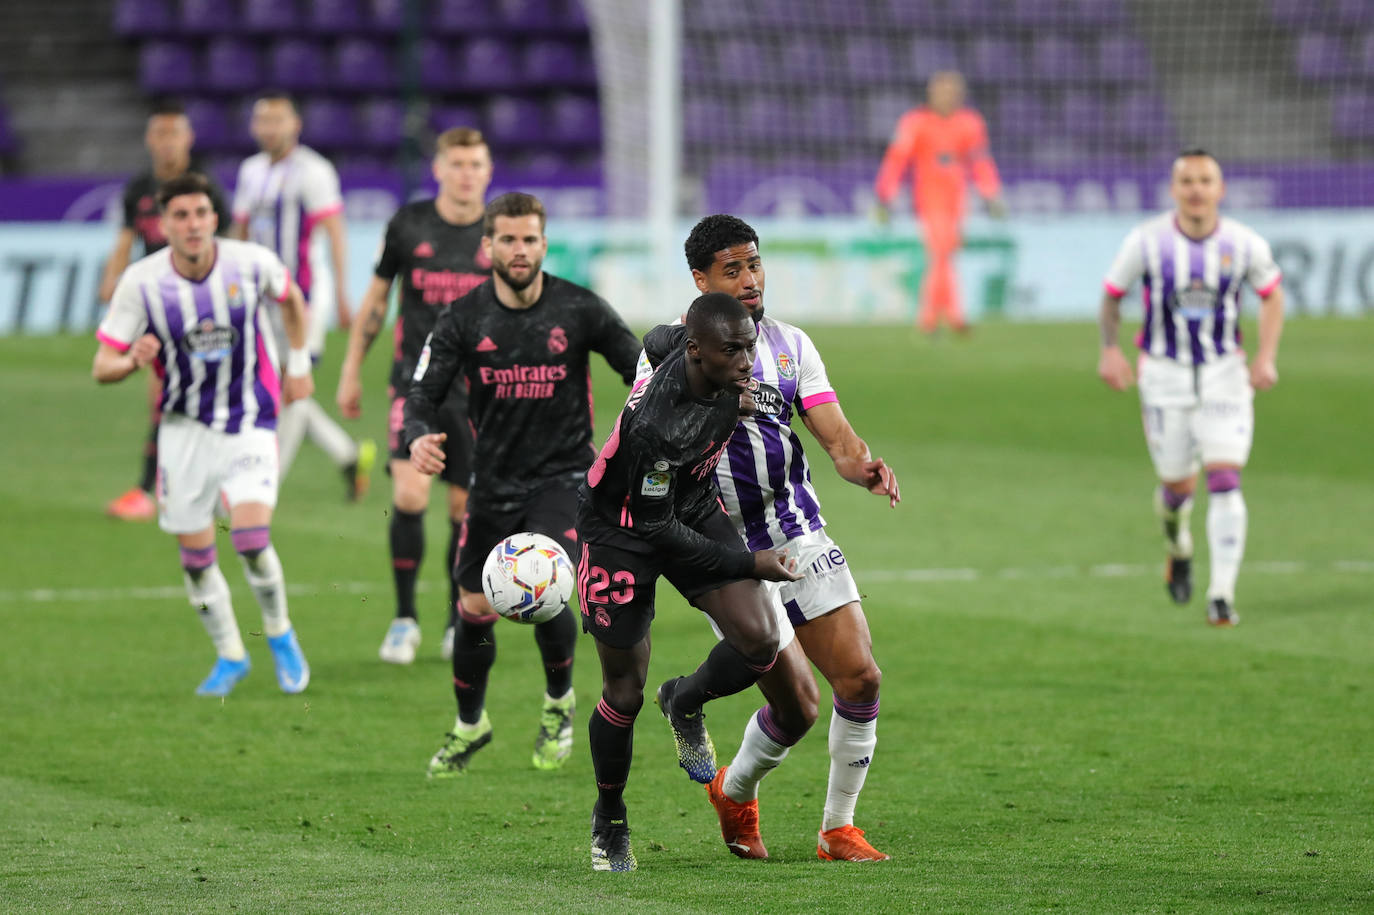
(250, 488)
(1167, 408)
(1224, 428)
(190, 468)
(457, 512)
(345, 453)
(940, 290)
(138, 504)
(406, 538)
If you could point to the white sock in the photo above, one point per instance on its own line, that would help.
(210, 598)
(291, 423)
(1177, 522)
(329, 435)
(1226, 522)
(851, 752)
(758, 755)
(269, 587)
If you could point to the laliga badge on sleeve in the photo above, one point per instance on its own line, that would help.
(656, 484)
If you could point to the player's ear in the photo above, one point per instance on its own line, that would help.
(486, 246)
(700, 279)
(693, 350)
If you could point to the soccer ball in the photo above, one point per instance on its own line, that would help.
(527, 578)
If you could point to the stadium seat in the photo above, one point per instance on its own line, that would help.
(442, 117)
(388, 17)
(1142, 118)
(462, 17)
(883, 109)
(364, 65)
(996, 60)
(526, 17)
(913, 16)
(928, 56)
(1365, 61)
(143, 18)
(1081, 115)
(269, 17)
(328, 122)
(232, 65)
(165, 66)
(381, 123)
(548, 62)
(828, 116)
(708, 119)
(804, 60)
(574, 17)
(298, 64)
(870, 59)
(574, 120)
(334, 17)
(763, 118)
(1352, 115)
(1123, 59)
(1352, 13)
(722, 15)
(487, 63)
(514, 119)
(1020, 114)
(1056, 59)
(207, 17)
(437, 73)
(977, 15)
(210, 121)
(1041, 13)
(1321, 57)
(1101, 14)
(740, 60)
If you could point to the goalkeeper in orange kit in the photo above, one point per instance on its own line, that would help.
(943, 144)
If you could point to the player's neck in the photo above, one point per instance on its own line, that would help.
(167, 171)
(518, 299)
(697, 382)
(458, 213)
(198, 269)
(288, 149)
(1197, 227)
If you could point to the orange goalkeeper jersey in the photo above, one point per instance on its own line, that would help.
(942, 153)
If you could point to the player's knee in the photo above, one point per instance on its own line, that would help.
(409, 495)
(624, 694)
(800, 716)
(860, 686)
(251, 543)
(196, 562)
(1223, 479)
(474, 610)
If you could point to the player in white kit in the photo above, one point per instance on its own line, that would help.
(198, 312)
(287, 198)
(1196, 391)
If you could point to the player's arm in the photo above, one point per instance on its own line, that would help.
(333, 225)
(1128, 266)
(238, 228)
(115, 362)
(116, 357)
(117, 261)
(853, 460)
(984, 169)
(441, 361)
(618, 344)
(1264, 372)
(299, 383)
(361, 335)
(896, 160)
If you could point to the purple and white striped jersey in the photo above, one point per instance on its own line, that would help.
(1191, 287)
(282, 202)
(764, 478)
(218, 361)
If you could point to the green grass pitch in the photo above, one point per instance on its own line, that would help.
(1054, 733)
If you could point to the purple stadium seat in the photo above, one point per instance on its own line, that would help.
(207, 17)
(1320, 57)
(804, 60)
(1021, 114)
(708, 119)
(975, 14)
(269, 17)
(165, 66)
(334, 17)
(870, 59)
(829, 116)
(1123, 59)
(210, 121)
(552, 63)
(695, 70)
(143, 18)
(442, 117)
(436, 66)
(1100, 14)
(524, 17)
(720, 14)
(929, 56)
(514, 120)
(995, 60)
(1142, 118)
(1055, 59)
(883, 109)
(1082, 115)
(1352, 13)
(328, 122)
(744, 61)
(575, 120)
(363, 65)
(381, 123)
(299, 64)
(462, 17)
(487, 63)
(1366, 58)
(388, 17)
(574, 18)
(1352, 115)
(232, 65)
(912, 15)
(1040, 13)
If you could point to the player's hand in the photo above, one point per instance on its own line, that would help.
(770, 565)
(349, 395)
(297, 387)
(997, 208)
(427, 453)
(144, 350)
(345, 311)
(1113, 368)
(1263, 374)
(747, 404)
(879, 479)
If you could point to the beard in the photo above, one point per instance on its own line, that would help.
(518, 285)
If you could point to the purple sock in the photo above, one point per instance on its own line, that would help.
(1223, 480)
(1173, 500)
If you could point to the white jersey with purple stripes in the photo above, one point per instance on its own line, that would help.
(1191, 287)
(764, 479)
(282, 202)
(218, 359)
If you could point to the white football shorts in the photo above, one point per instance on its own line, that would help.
(196, 464)
(1196, 415)
(828, 584)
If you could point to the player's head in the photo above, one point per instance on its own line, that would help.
(188, 215)
(513, 237)
(276, 125)
(168, 136)
(945, 91)
(720, 341)
(462, 165)
(1196, 184)
(723, 252)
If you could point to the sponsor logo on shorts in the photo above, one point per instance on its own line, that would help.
(828, 563)
(656, 484)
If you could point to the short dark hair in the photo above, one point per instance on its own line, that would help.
(278, 95)
(512, 204)
(164, 107)
(712, 309)
(189, 183)
(716, 233)
(1191, 151)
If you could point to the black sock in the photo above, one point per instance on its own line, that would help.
(724, 673)
(474, 651)
(455, 534)
(611, 736)
(148, 479)
(407, 550)
(557, 639)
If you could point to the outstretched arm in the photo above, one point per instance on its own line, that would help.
(852, 458)
(362, 333)
(1264, 373)
(1112, 366)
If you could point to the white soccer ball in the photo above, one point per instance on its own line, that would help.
(528, 578)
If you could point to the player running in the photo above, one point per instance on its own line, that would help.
(434, 247)
(941, 145)
(169, 139)
(1196, 395)
(287, 199)
(521, 344)
(765, 483)
(650, 506)
(197, 311)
